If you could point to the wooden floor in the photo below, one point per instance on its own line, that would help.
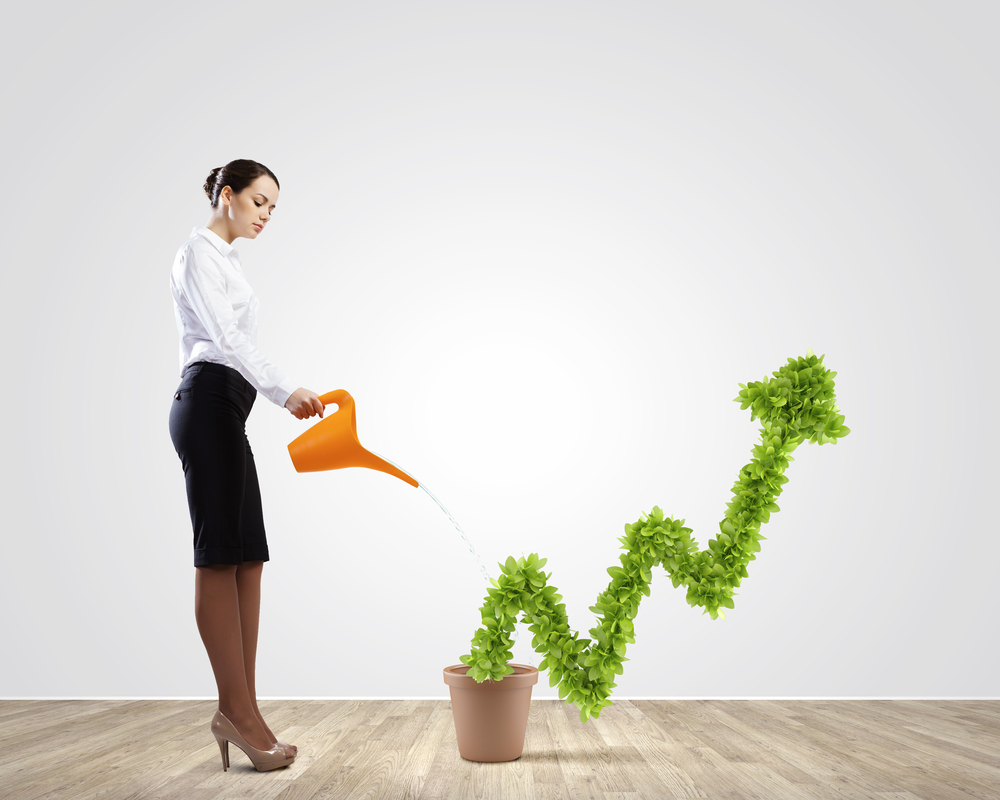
(658, 749)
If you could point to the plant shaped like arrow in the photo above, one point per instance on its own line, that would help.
(799, 404)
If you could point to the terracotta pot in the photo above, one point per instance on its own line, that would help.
(491, 717)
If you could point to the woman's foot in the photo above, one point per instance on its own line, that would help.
(250, 728)
(291, 748)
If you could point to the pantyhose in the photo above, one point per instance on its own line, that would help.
(225, 595)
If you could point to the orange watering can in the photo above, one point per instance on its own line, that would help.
(332, 443)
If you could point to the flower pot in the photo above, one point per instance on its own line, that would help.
(491, 717)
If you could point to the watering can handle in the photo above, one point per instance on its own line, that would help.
(338, 396)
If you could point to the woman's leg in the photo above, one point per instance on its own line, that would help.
(217, 610)
(248, 585)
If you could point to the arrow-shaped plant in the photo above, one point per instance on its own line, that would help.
(798, 405)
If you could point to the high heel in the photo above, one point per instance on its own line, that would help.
(225, 732)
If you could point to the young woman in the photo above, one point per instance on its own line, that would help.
(221, 373)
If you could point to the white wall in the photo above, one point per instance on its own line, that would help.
(542, 244)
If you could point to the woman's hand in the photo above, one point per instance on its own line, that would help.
(303, 404)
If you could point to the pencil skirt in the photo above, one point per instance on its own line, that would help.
(208, 428)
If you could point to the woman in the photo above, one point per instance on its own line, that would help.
(221, 373)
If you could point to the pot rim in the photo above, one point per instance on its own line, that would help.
(523, 677)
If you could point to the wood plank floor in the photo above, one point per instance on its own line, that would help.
(406, 749)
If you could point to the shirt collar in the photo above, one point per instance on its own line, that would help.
(215, 239)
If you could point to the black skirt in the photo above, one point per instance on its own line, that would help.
(208, 428)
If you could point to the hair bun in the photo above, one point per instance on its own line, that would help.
(209, 186)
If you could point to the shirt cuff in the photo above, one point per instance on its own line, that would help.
(283, 392)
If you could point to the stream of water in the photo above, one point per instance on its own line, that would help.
(472, 549)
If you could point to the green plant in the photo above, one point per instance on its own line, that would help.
(798, 405)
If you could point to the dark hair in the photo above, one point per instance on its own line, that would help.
(237, 175)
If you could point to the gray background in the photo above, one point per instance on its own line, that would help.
(542, 244)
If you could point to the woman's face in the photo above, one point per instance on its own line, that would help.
(252, 207)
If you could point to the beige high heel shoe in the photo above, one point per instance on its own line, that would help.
(225, 732)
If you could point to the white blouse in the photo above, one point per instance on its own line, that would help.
(216, 313)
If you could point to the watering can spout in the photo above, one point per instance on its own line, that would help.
(332, 443)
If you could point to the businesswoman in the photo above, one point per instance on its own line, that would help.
(221, 373)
